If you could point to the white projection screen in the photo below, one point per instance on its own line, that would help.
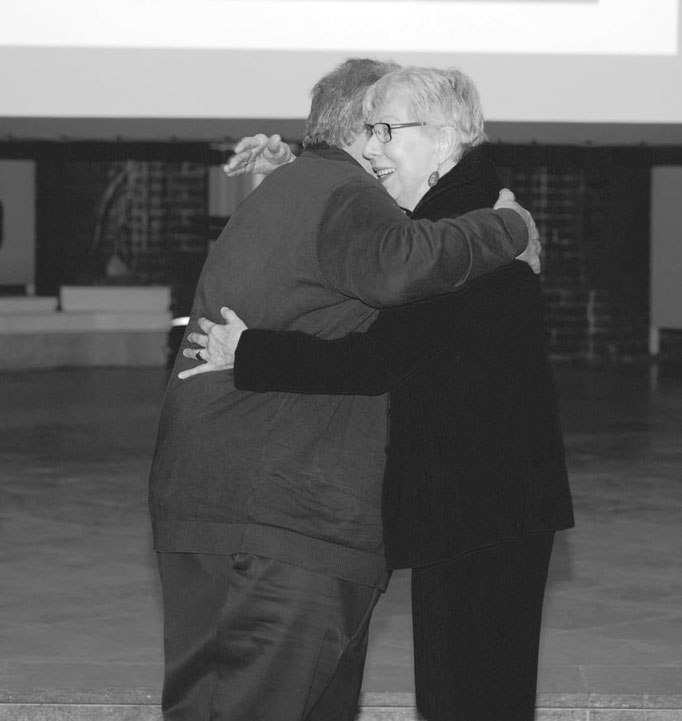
(542, 61)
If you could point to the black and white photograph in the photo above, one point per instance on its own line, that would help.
(341, 360)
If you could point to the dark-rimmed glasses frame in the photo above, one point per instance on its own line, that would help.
(383, 132)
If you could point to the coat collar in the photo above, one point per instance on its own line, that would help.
(472, 173)
(329, 152)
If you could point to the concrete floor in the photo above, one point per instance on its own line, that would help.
(80, 618)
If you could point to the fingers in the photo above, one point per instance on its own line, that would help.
(536, 263)
(274, 144)
(532, 227)
(237, 164)
(258, 154)
(506, 199)
(277, 150)
(534, 260)
(198, 339)
(532, 254)
(230, 318)
(245, 151)
(533, 234)
(534, 241)
(229, 315)
(251, 142)
(534, 248)
(203, 368)
(205, 324)
(192, 353)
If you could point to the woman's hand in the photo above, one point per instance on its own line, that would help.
(218, 344)
(258, 154)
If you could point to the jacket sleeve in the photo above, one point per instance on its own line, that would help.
(396, 345)
(368, 249)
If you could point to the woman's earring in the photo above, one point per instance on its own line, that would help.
(433, 178)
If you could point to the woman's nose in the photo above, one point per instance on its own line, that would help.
(372, 148)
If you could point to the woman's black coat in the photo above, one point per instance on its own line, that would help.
(475, 453)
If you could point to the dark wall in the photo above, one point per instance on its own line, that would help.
(120, 222)
(66, 196)
(592, 207)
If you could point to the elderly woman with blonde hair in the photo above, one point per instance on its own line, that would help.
(475, 483)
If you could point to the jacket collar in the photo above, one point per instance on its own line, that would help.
(476, 168)
(329, 152)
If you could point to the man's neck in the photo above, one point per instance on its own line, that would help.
(355, 151)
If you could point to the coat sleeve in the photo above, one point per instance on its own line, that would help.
(396, 345)
(368, 249)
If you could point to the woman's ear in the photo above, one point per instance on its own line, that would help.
(448, 144)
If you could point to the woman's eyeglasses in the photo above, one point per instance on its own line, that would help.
(383, 132)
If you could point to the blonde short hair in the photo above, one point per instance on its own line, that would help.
(438, 97)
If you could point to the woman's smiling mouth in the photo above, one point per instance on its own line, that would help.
(383, 172)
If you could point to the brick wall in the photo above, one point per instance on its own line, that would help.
(592, 211)
(591, 206)
(119, 222)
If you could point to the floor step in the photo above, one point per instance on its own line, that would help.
(141, 705)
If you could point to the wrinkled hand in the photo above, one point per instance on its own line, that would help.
(531, 254)
(258, 154)
(218, 344)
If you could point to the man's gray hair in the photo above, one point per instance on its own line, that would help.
(439, 97)
(336, 110)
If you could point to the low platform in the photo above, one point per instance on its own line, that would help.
(85, 327)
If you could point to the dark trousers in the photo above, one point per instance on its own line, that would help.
(249, 638)
(476, 627)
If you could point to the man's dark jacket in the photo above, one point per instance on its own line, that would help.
(476, 453)
(315, 248)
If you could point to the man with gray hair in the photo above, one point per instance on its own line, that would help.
(266, 507)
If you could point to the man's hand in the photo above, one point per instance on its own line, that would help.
(531, 254)
(258, 154)
(218, 344)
